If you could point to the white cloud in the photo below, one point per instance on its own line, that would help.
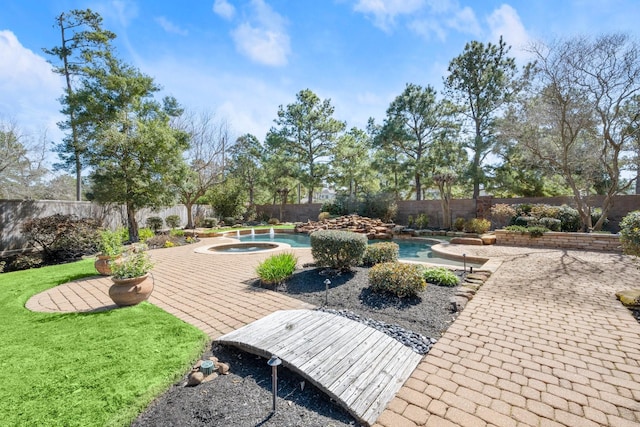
(264, 39)
(464, 20)
(385, 11)
(123, 11)
(224, 9)
(29, 90)
(506, 22)
(170, 27)
(426, 27)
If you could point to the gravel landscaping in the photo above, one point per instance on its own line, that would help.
(244, 397)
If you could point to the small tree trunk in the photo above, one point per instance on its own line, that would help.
(189, 207)
(133, 224)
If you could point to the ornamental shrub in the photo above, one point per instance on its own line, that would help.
(210, 222)
(401, 279)
(545, 211)
(502, 214)
(145, 234)
(176, 233)
(377, 253)
(172, 221)
(338, 249)
(110, 243)
(569, 219)
(458, 223)
(552, 224)
(525, 221)
(63, 237)
(154, 223)
(323, 215)
(537, 231)
(422, 221)
(274, 221)
(478, 225)
(596, 213)
(410, 222)
(441, 276)
(277, 268)
(630, 233)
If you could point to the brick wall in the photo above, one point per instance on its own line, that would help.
(557, 240)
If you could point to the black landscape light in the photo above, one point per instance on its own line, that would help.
(274, 362)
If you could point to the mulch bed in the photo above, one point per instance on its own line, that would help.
(244, 397)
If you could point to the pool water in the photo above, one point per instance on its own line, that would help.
(411, 250)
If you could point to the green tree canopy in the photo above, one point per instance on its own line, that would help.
(307, 131)
(481, 81)
(83, 43)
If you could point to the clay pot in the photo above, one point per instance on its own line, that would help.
(103, 264)
(125, 292)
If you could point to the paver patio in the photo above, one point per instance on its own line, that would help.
(543, 343)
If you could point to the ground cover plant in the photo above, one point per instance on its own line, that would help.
(92, 369)
(277, 268)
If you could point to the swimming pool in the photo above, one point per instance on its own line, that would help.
(409, 249)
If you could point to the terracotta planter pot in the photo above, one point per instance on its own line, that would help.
(125, 292)
(103, 264)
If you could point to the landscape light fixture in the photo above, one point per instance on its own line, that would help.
(274, 362)
(327, 283)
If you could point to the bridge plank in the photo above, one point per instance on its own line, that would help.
(359, 367)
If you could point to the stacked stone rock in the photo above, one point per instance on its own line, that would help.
(196, 376)
(465, 292)
(372, 228)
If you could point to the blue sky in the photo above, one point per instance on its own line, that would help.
(241, 59)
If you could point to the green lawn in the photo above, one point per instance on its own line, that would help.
(84, 369)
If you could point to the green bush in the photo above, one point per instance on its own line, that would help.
(458, 223)
(229, 221)
(210, 222)
(323, 215)
(338, 249)
(380, 205)
(569, 219)
(145, 234)
(441, 276)
(523, 209)
(478, 225)
(377, 253)
(335, 207)
(273, 221)
(525, 221)
(277, 268)
(422, 221)
(154, 223)
(545, 211)
(537, 231)
(110, 243)
(398, 278)
(502, 214)
(517, 229)
(630, 233)
(534, 231)
(410, 222)
(552, 224)
(176, 233)
(172, 221)
(63, 237)
(134, 264)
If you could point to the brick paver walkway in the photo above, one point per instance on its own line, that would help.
(208, 291)
(543, 343)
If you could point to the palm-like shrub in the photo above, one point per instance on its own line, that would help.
(401, 279)
(277, 268)
(338, 249)
(441, 276)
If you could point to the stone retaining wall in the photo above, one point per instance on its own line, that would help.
(557, 240)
